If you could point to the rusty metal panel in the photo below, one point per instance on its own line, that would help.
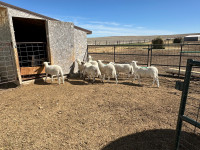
(60, 38)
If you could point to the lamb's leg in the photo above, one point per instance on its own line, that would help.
(134, 78)
(154, 81)
(108, 78)
(93, 80)
(62, 78)
(51, 78)
(139, 79)
(157, 80)
(58, 78)
(103, 78)
(46, 77)
(116, 79)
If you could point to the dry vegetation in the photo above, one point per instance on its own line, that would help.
(78, 115)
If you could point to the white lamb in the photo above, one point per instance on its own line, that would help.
(107, 70)
(145, 72)
(124, 68)
(91, 71)
(93, 62)
(53, 70)
(80, 67)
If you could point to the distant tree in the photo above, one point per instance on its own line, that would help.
(158, 43)
(178, 40)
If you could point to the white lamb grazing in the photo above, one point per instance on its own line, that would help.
(145, 72)
(53, 70)
(123, 68)
(107, 70)
(91, 71)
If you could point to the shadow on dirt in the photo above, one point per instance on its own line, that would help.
(131, 84)
(83, 82)
(163, 139)
(7, 86)
(41, 82)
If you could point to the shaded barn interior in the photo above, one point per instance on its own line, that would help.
(29, 30)
(30, 36)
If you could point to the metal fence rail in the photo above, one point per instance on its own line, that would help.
(7, 67)
(31, 53)
(173, 55)
(188, 124)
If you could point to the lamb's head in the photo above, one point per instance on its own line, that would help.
(90, 58)
(46, 63)
(99, 61)
(134, 63)
(78, 61)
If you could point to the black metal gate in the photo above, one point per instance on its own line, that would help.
(188, 124)
(31, 57)
(172, 56)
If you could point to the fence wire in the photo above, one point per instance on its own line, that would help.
(7, 67)
(170, 56)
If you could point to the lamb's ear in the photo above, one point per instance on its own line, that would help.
(82, 63)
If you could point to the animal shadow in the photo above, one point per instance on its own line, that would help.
(159, 139)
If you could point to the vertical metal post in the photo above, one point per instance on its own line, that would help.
(148, 56)
(179, 67)
(87, 53)
(114, 53)
(183, 101)
(151, 55)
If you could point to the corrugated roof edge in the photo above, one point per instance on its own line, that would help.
(39, 15)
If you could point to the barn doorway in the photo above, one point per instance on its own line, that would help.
(30, 36)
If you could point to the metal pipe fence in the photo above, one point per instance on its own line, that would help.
(7, 66)
(31, 55)
(188, 124)
(171, 56)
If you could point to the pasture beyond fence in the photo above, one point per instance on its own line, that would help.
(172, 56)
(188, 124)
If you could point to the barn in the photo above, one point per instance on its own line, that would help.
(192, 38)
(27, 39)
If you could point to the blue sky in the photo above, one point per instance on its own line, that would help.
(121, 17)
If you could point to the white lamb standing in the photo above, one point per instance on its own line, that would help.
(53, 70)
(124, 68)
(80, 67)
(107, 70)
(145, 72)
(91, 71)
(95, 63)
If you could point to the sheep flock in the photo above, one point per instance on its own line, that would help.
(92, 69)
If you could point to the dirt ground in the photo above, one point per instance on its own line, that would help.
(82, 116)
